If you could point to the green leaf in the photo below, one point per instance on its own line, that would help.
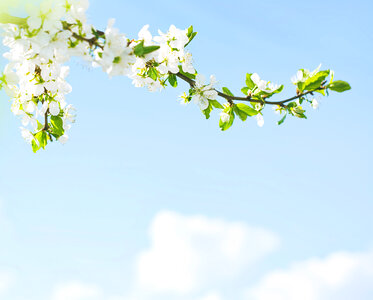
(57, 126)
(298, 112)
(153, 74)
(249, 83)
(291, 105)
(331, 76)
(279, 90)
(42, 138)
(139, 49)
(172, 79)
(339, 86)
(227, 91)
(241, 114)
(150, 49)
(282, 120)
(216, 104)
(190, 76)
(226, 125)
(300, 86)
(315, 81)
(35, 146)
(245, 90)
(247, 109)
(207, 111)
(191, 34)
(117, 60)
(190, 31)
(322, 92)
(40, 126)
(268, 95)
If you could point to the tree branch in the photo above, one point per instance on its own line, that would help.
(248, 98)
(91, 42)
(5, 19)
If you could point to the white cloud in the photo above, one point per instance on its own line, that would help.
(189, 256)
(76, 291)
(342, 276)
(188, 253)
(211, 296)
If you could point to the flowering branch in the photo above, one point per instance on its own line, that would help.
(249, 99)
(42, 43)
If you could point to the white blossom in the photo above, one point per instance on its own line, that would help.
(224, 117)
(63, 139)
(297, 77)
(57, 30)
(204, 92)
(259, 120)
(54, 108)
(27, 135)
(314, 103)
(144, 34)
(263, 85)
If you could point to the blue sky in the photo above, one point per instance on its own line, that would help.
(81, 213)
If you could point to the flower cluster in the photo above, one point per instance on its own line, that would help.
(166, 55)
(41, 44)
(36, 75)
(204, 92)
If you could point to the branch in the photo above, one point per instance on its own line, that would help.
(5, 18)
(91, 42)
(46, 126)
(248, 98)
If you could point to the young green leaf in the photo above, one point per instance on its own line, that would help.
(249, 83)
(216, 104)
(245, 90)
(153, 74)
(191, 34)
(227, 91)
(339, 86)
(139, 49)
(150, 49)
(57, 126)
(247, 109)
(35, 146)
(190, 76)
(117, 60)
(241, 114)
(226, 125)
(282, 120)
(42, 138)
(298, 111)
(190, 31)
(315, 81)
(207, 111)
(172, 79)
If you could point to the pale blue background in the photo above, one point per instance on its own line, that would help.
(82, 210)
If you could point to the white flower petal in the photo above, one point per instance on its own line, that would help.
(255, 78)
(54, 108)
